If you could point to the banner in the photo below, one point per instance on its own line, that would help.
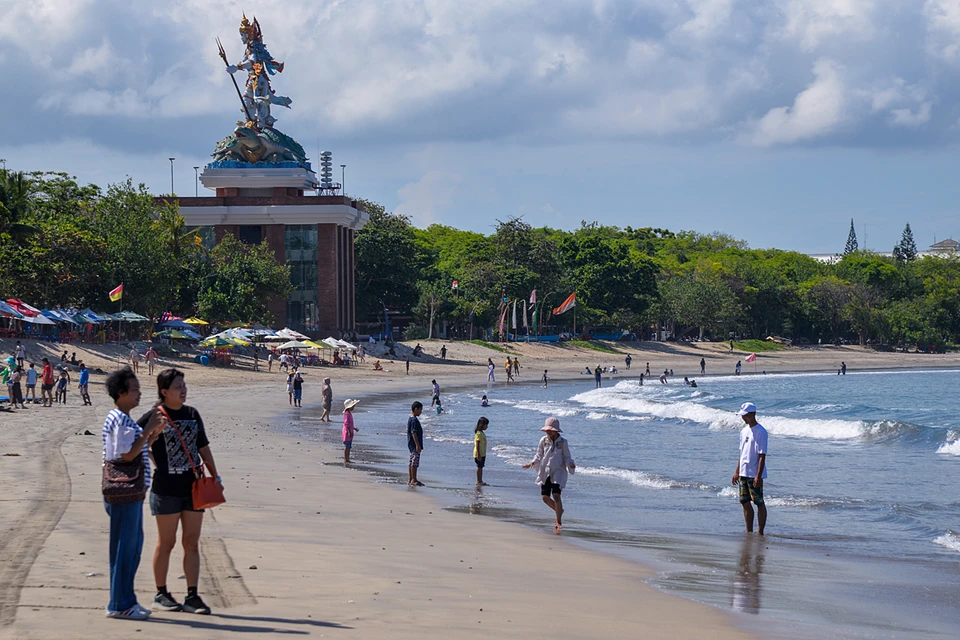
(116, 294)
(751, 358)
(568, 304)
(533, 297)
(527, 326)
(514, 315)
(503, 317)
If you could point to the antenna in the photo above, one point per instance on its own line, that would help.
(326, 172)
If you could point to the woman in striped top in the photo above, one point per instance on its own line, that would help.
(125, 439)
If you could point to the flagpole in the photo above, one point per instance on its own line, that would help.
(574, 317)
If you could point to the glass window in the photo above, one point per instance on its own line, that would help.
(250, 234)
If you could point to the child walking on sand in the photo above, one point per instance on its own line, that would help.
(480, 448)
(62, 386)
(552, 461)
(348, 428)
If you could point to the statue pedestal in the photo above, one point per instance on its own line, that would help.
(248, 178)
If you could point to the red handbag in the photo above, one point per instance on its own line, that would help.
(206, 490)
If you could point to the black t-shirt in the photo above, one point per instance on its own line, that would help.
(297, 383)
(413, 427)
(173, 475)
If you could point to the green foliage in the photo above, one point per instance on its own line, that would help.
(906, 250)
(852, 245)
(242, 279)
(757, 346)
(387, 262)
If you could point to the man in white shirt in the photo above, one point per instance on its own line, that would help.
(752, 467)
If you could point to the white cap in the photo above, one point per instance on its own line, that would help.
(747, 407)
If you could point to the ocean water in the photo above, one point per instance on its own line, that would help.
(863, 493)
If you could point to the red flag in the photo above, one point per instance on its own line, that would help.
(751, 358)
(116, 294)
(568, 304)
(533, 297)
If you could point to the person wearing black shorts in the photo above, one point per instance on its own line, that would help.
(553, 459)
(171, 498)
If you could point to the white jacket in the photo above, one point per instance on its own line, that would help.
(552, 459)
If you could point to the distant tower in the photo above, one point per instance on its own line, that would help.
(852, 245)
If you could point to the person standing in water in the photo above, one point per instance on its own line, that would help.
(752, 467)
(490, 369)
(480, 448)
(348, 428)
(598, 376)
(415, 442)
(545, 379)
(627, 361)
(326, 393)
(552, 460)
(703, 366)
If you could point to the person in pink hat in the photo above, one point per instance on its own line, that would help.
(552, 461)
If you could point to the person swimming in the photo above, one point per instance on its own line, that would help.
(484, 402)
(693, 383)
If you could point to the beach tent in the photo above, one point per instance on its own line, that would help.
(58, 316)
(216, 342)
(9, 312)
(273, 338)
(23, 308)
(87, 316)
(314, 345)
(296, 344)
(287, 332)
(38, 319)
(175, 324)
(172, 334)
(128, 316)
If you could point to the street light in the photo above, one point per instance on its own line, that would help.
(343, 179)
(171, 175)
(196, 182)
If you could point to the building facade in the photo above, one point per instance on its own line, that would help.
(313, 234)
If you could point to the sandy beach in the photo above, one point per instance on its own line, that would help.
(306, 547)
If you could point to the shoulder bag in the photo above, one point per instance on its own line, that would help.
(123, 482)
(206, 490)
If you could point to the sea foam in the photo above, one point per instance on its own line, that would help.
(950, 540)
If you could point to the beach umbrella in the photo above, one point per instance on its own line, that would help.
(216, 342)
(314, 345)
(58, 316)
(8, 311)
(287, 332)
(172, 334)
(23, 308)
(196, 321)
(273, 338)
(175, 324)
(295, 344)
(332, 342)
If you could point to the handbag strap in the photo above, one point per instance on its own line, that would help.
(197, 474)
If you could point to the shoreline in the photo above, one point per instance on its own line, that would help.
(279, 531)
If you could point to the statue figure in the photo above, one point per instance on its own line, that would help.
(259, 65)
(255, 140)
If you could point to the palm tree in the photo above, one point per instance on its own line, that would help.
(174, 228)
(15, 206)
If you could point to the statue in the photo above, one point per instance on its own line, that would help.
(255, 140)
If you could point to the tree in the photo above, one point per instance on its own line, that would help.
(387, 262)
(827, 298)
(15, 204)
(906, 250)
(852, 246)
(242, 280)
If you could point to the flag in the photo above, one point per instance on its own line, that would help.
(751, 358)
(525, 315)
(536, 311)
(568, 304)
(456, 285)
(116, 294)
(503, 316)
(533, 297)
(514, 315)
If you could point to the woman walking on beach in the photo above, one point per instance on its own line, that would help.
(326, 392)
(552, 461)
(125, 441)
(181, 446)
(490, 369)
(290, 387)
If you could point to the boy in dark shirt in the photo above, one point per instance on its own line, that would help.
(297, 389)
(415, 441)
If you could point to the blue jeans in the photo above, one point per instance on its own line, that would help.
(126, 543)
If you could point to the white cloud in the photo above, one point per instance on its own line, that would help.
(95, 60)
(425, 199)
(816, 111)
(943, 25)
(812, 22)
(910, 118)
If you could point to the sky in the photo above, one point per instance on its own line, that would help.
(775, 121)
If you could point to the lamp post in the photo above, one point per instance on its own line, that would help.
(196, 182)
(343, 179)
(171, 175)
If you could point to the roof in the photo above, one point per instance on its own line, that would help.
(949, 243)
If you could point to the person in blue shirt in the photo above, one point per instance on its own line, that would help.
(84, 383)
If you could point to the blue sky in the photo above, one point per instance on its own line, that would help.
(773, 121)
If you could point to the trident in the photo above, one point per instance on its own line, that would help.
(223, 56)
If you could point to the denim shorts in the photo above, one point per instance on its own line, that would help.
(297, 394)
(348, 443)
(169, 505)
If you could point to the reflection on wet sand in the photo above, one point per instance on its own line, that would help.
(746, 579)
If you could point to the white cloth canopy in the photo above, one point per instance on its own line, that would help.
(39, 319)
(294, 344)
(287, 332)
